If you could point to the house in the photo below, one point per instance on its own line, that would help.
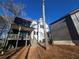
(21, 27)
(19, 32)
(16, 30)
(66, 30)
(38, 30)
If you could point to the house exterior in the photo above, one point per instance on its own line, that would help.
(20, 27)
(19, 34)
(13, 30)
(66, 30)
(38, 30)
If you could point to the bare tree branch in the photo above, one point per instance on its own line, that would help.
(15, 9)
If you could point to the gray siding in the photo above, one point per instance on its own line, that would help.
(66, 29)
(60, 31)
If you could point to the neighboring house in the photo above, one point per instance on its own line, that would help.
(34, 31)
(19, 34)
(38, 30)
(21, 27)
(17, 29)
(66, 30)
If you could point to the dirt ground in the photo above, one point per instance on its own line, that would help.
(55, 52)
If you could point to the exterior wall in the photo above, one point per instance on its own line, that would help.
(72, 28)
(21, 28)
(75, 18)
(66, 30)
(60, 33)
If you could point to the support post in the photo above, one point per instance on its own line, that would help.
(18, 36)
(45, 33)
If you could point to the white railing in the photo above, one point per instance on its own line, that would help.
(13, 37)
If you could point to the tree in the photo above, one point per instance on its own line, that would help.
(15, 9)
(12, 7)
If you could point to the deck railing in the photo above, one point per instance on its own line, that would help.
(13, 37)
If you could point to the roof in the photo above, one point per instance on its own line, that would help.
(15, 26)
(23, 20)
(74, 11)
(70, 13)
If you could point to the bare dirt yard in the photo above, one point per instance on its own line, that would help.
(39, 52)
(59, 52)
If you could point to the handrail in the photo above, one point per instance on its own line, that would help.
(12, 36)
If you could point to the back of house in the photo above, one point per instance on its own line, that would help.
(66, 29)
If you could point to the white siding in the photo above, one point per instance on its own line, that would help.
(75, 18)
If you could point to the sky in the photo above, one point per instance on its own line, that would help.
(54, 9)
